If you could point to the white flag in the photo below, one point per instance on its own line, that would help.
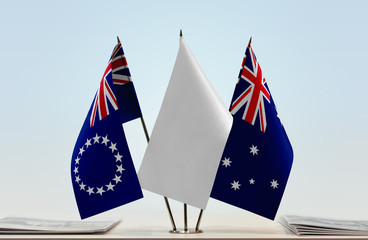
(188, 138)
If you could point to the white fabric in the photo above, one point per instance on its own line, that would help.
(188, 138)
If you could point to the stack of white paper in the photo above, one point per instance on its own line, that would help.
(33, 225)
(322, 226)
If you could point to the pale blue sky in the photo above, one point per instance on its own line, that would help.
(313, 55)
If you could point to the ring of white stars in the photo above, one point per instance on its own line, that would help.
(99, 190)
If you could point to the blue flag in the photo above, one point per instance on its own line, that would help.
(102, 170)
(258, 156)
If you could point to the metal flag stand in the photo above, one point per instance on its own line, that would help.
(186, 230)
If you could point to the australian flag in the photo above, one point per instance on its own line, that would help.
(258, 156)
(102, 170)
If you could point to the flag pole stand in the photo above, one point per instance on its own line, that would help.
(186, 230)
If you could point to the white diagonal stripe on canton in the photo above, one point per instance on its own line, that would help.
(119, 78)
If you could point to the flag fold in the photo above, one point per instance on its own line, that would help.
(188, 137)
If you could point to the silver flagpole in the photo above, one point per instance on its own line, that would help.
(199, 220)
(185, 205)
(185, 218)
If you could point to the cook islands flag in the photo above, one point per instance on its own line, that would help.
(257, 158)
(102, 170)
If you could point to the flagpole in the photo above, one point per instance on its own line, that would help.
(185, 205)
(147, 138)
(199, 220)
(185, 218)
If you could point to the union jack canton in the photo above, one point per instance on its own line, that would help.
(255, 94)
(117, 70)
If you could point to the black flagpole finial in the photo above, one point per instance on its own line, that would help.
(118, 39)
(250, 41)
(181, 33)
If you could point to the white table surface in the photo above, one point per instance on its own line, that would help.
(217, 226)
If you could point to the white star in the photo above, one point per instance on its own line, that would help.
(105, 140)
(226, 162)
(81, 150)
(118, 157)
(120, 169)
(113, 147)
(110, 187)
(88, 143)
(117, 179)
(235, 185)
(96, 139)
(274, 184)
(77, 179)
(77, 160)
(90, 190)
(100, 190)
(252, 181)
(82, 186)
(75, 170)
(254, 150)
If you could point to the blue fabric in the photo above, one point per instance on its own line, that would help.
(255, 165)
(102, 170)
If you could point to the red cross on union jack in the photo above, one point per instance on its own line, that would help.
(253, 96)
(118, 70)
(103, 95)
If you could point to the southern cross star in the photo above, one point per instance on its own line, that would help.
(226, 162)
(274, 183)
(235, 185)
(254, 150)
